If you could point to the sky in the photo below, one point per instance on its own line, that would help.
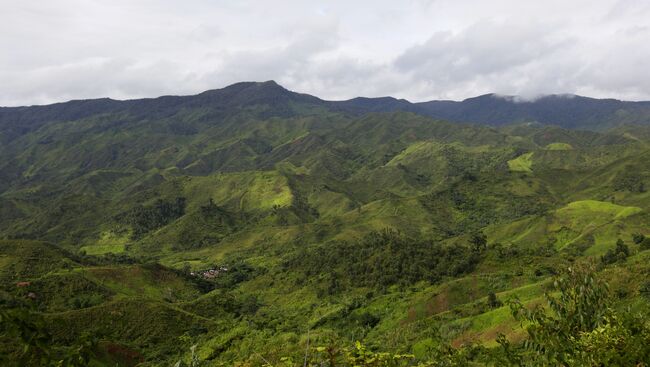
(57, 50)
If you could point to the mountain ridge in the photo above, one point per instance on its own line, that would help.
(568, 111)
(269, 83)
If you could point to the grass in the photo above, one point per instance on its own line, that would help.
(575, 222)
(104, 249)
(137, 322)
(108, 242)
(585, 214)
(601, 207)
(139, 281)
(242, 191)
(523, 163)
(559, 146)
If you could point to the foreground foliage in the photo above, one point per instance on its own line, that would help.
(576, 327)
(579, 327)
(31, 344)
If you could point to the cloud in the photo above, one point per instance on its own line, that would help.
(93, 78)
(482, 56)
(415, 49)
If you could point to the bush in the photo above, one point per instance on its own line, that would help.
(645, 245)
(34, 347)
(620, 253)
(641, 240)
(478, 241)
(493, 301)
(645, 290)
(366, 319)
(577, 329)
(638, 238)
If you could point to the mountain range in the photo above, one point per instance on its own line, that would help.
(565, 110)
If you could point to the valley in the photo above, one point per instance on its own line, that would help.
(408, 227)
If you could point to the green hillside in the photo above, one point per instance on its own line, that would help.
(255, 226)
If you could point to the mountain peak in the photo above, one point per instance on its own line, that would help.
(251, 93)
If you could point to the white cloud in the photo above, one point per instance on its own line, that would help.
(418, 49)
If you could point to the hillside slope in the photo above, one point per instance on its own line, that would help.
(253, 222)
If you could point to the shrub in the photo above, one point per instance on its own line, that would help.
(34, 347)
(493, 301)
(577, 329)
(638, 238)
(641, 240)
(366, 319)
(620, 253)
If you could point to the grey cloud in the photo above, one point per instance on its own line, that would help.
(417, 49)
(94, 78)
(482, 56)
(483, 48)
(280, 63)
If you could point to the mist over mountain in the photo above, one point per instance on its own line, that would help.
(568, 111)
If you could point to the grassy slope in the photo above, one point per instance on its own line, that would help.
(523, 163)
(284, 184)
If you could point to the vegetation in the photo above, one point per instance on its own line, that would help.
(253, 226)
(382, 259)
(523, 163)
(27, 342)
(143, 219)
(579, 328)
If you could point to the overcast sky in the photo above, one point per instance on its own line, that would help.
(57, 50)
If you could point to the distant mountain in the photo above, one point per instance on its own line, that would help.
(567, 111)
(15, 121)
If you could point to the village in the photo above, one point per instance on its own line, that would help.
(209, 273)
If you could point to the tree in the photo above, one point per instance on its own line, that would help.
(493, 300)
(622, 248)
(620, 253)
(641, 240)
(478, 240)
(645, 245)
(28, 332)
(578, 328)
(638, 238)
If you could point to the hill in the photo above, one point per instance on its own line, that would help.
(252, 223)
